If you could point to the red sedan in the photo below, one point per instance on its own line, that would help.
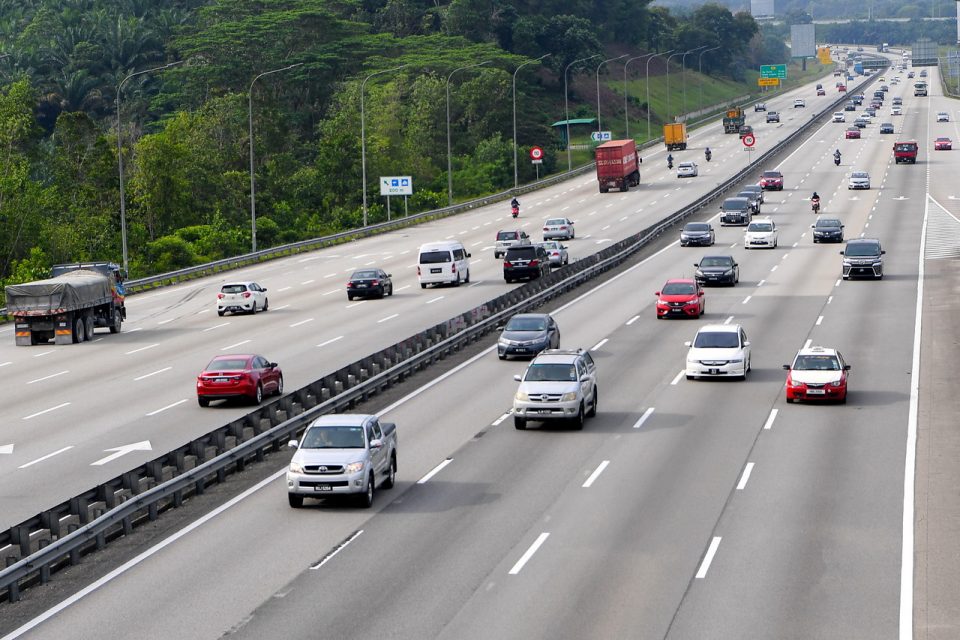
(681, 298)
(249, 377)
(852, 132)
(942, 144)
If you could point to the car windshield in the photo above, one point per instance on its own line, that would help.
(906, 147)
(760, 226)
(697, 226)
(550, 246)
(771, 174)
(227, 364)
(507, 235)
(716, 261)
(686, 165)
(943, 139)
(363, 275)
(526, 324)
(817, 363)
(434, 257)
(860, 174)
(556, 222)
(863, 249)
(735, 204)
(678, 289)
(824, 222)
(717, 340)
(333, 438)
(752, 187)
(551, 372)
(233, 288)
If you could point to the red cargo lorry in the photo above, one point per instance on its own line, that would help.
(905, 152)
(618, 165)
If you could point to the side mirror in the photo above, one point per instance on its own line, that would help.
(376, 443)
(688, 344)
(700, 293)
(696, 264)
(786, 367)
(842, 252)
(293, 444)
(882, 252)
(468, 254)
(263, 288)
(517, 377)
(389, 275)
(500, 327)
(847, 367)
(746, 343)
(656, 293)
(273, 365)
(584, 378)
(813, 226)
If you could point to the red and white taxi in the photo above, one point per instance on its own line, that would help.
(817, 373)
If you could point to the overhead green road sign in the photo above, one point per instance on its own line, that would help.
(773, 71)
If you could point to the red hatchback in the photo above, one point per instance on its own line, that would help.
(681, 298)
(772, 180)
(239, 376)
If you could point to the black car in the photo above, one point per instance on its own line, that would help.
(697, 233)
(753, 198)
(736, 211)
(527, 334)
(717, 270)
(530, 261)
(886, 127)
(850, 107)
(754, 188)
(367, 283)
(858, 99)
(827, 230)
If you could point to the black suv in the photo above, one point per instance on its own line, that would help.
(735, 211)
(863, 257)
(529, 261)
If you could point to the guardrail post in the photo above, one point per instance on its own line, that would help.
(13, 591)
(75, 552)
(44, 568)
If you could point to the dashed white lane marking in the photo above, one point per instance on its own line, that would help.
(761, 283)
(43, 353)
(747, 470)
(819, 321)
(596, 474)
(40, 413)
(339, 548)
(149, 346)
(390, 317)
(599, 344)
(355, 304)
(773, 416)
(326, 277)
(529, 553)
(829, 299)
(632, 320)
(165, 321)
(643, 418)
(52, 375)
(46, 457)
(728, 320)
(301, 323)
(806, 345)
(837, 283)
(216, 326)
(437, 469)
(438, 298)
(308, 282)
(287, 288)
(169, 406)
(707, 559)
(746, 300)
(234, 345)
(330, 341)
(406, 286)
(677, 378)
(283, 306)
(774, 267)
(152, 373)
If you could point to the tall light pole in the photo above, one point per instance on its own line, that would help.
(566, 105)
(516, 179)
(656, 55)
(449, 156)
(123, 198)
(626, 115)
(700, 71)
(598, 84)
(253, 187)
(363, 137)
(683, 72)
(669, 107)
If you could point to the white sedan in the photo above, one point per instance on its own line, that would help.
(761, 232)
(943, 116)
(242, 297)
(799, 103)
(859, 180)
(687, 170)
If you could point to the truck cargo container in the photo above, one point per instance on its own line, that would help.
(675, 136)
(733, 119)
(618, 165)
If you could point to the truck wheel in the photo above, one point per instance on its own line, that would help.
(519, 423)
(296, 501)
(596, 400)
(391, 473)
(117, 321)
(88, 327)
(578, 421)
(366, 498)
(78, 331)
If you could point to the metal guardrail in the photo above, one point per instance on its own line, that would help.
(163, 483)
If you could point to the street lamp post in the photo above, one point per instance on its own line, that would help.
(449, 156)
(669, 106)
(123, 198)
(683, 72)
(700, 71)
(253, 196)
(363, 137)
(656, 55)
(516, 179)
(566, 104)
(626, 115)
(598, 84)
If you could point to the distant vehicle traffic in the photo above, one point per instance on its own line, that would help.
(687, 170)
(863, 257)
(772, 180)
(529, 261)
(618, 165)
(557, 252)
(735, 211)
(717, 270)
(827, 230)
(942, 144)
(509, 238)
(905, 152)
(558, 229)
(443, 262)
(859, 180)
(242, 297)
(761, 232)
(773, 116)
(682, 298)
(697, 234)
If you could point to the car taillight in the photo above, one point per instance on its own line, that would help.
(507, 264)
(548, 228)
(533, 263)
(374, 282)
(246, 294)
(350, 284)
(453, 267)
(219, 296)
(418, 270)
(563, 227)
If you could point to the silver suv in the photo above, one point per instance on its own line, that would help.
(559, 384)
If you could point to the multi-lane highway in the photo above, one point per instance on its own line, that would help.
(685, 509)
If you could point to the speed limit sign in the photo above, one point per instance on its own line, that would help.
(536, 153)
(748, 140)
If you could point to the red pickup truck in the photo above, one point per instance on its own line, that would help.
(905, 152)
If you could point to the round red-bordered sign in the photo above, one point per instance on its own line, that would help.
(749, 140)
(536, 153)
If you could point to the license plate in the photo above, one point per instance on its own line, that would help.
(361, 286)
(219, 379)
(323, 487)
(714, 372)
(436, 270)
(816, 392)
(520, 350)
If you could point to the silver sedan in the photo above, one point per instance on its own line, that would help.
(557, 253)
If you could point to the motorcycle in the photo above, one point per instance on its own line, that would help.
(815, 205)
(515, 211)
(669, 163)
(836, 160)
(707, 155)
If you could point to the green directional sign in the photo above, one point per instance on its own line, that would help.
(773, 71)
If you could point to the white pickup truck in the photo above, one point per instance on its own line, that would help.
(343, 454)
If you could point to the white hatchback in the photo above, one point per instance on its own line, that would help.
(687, 170)
(761, 232)
(718, 350)
(838, 116)
(242, 297)
(943, 116)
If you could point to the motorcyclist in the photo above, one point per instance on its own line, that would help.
(836, 156)
(815, 201)
(707, 153)
(670, 161)
(515, 207)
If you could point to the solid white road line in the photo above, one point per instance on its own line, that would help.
(773, 416)
(302, 322)
(632, 320)
(599, 344)
(52, 375)
(340, 548)
(234, 345)
(707, 559)
(745, 476)
(643, 418)
(679, 375)
(40, 413)
(149, 346)
(437, 469)
(529, 553)
(147, 375)
(46, 457)
(596, 474)
(169, 406)
(330, 341)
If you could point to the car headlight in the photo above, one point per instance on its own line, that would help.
(568, 397)
(662, 301)
(522, 396)
(699, 273)
(728, 272)
(836, 383)
(736, 361)
(353, 467)
(296, 467)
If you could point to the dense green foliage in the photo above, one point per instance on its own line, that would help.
(831, 9)
(184, 128)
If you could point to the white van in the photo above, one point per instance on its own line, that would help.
(439, 262)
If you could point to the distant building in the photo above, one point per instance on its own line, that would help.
(761, 8)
